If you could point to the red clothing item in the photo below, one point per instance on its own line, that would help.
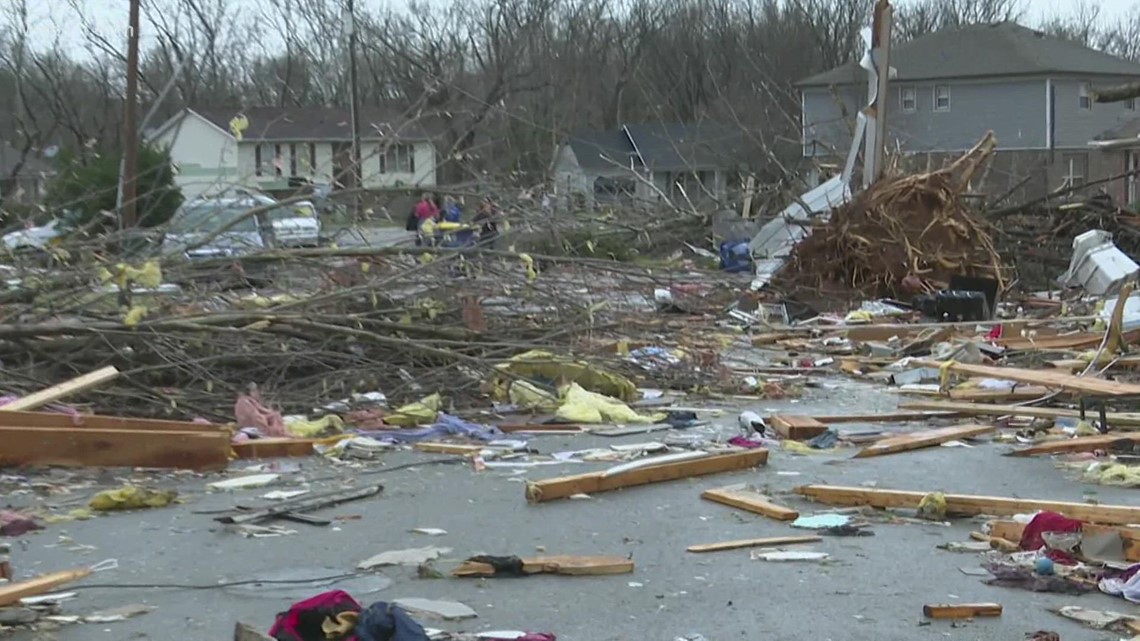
(1049, 522)
(426, 209)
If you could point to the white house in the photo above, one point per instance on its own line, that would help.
(647, 161)
(272, 148)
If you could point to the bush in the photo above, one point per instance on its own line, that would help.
(89, 186)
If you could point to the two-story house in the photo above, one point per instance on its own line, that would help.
(1034, 91)
(273, 148)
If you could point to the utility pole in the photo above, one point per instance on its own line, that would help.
(354, 98)
(875, 151)
(128, 215)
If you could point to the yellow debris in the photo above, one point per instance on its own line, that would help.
(130, 497)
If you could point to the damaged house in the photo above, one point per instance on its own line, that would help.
(1034, 91)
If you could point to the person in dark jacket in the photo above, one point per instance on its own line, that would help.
(488, 220)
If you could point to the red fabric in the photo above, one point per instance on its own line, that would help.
(426, 209)
(303, 620)
(995, 333)
(251, 412)
(1048, 522)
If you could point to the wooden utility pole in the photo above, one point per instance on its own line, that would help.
(881, 45)
(128, 215)
(354, 98)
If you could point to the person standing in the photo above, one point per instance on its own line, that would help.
(425, 211)
(451, 212)
(488, 220)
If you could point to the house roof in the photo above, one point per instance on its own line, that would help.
(33, 164)
(985, 50)
(315, 123)
(660, 147)
(1125, 134)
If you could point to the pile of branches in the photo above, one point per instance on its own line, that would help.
(1037, 238)
(908, 226)
(314, 326)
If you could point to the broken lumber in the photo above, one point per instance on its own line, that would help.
(888, 417)
(246, 632)
(796, 428)
(510, 428)
(1121, 420)
(969, 505)
(1050, 379)
(91, 421)
(771, 541)
(561, 565)
(996, 542)
(924, 438)
(300, 505)
(961, 610)
(1019, 393)
(1079, 444)
(11, 593)
(62, 390)
(84, 447)
(750, 501)
(1129, 537)
(448, 448)
(595, 482)
(1078, 365)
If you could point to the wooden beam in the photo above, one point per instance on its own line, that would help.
(1019, 393)
(62, 390)
(561, 565)
(1050, 379)
(796, 428)
(968, 505)
(750, 501)
(595, 482)
(886, 417)
(1130, 537)
(449, 448)
(1078, 365)
(1079, 444)
(771, 541)
(961, 610)
(924, 438)
(276, 447)
(1120, 420)
(93, 421)
(510, 428)
(84, 447)
(11, 593)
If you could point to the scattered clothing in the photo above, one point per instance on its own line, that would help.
(305, 620)
(681, 420)
(503, 565)
(16, 524)
(825, 441)
(1126, 585)
(1025, 578)
(445, 425)
(388, 622)
(251, 412)
(1032, 540)
(746, 443)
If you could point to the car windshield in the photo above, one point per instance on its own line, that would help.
(285, 212)
(198, 218)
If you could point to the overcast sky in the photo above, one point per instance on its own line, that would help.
(51, 18)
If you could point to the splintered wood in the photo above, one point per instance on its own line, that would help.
(62, 390)
(1051, 379)
(967, 505)
(594, 482)
(797, 428)
(772, 541)
(1115, 419)
(750, 501)
(925, 438)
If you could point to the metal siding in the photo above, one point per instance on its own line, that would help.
(1075, 127)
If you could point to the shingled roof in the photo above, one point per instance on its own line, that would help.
(985, 50)
(294, 124)
(661, 147)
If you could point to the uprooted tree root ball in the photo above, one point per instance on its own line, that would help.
(915, 225)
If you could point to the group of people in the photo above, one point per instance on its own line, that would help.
(430, 211)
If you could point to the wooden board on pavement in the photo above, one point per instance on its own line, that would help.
(1080, 444)
(1046, 378)
(772, 541)
(750, 501)
(922, 439)
(84, 447)
(796, 428)
(1121, 420)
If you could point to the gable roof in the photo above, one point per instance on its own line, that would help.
(985, 50)
(297, 124)
(660, 147)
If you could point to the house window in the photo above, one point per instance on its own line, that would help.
(1084, 96)
(293, 160)
(908, 99)
(398, 159)
(1076, 167)
(313, 158)
(942, 97)
(265, 158)
(278, 161)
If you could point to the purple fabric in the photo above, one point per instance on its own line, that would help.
(746, 443)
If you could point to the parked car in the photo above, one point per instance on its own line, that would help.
(194, 229)
(294, 225)
(39, 237)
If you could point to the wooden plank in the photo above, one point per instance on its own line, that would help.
(509, 428)
(886, 417)
(1045, 378)
(1130, 537)
(1079, 444)
(1019, 393)
(449, 448)
(1078, 365)
(1063, 342)
(11, 593)
(771, 541)
(924, 438)
(750, 501)
(969, 505)
(94, 421)
(961, 610)
(796, 428)
(595, 482)
(82, 447)
(561, 565)
(275, 447)
(56, 392)
(1120, 420)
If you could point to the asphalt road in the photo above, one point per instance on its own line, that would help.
(874, 587)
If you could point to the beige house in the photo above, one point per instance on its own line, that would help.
(271, 148)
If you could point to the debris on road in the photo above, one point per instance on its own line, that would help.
(961, 610)
(489, 566)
